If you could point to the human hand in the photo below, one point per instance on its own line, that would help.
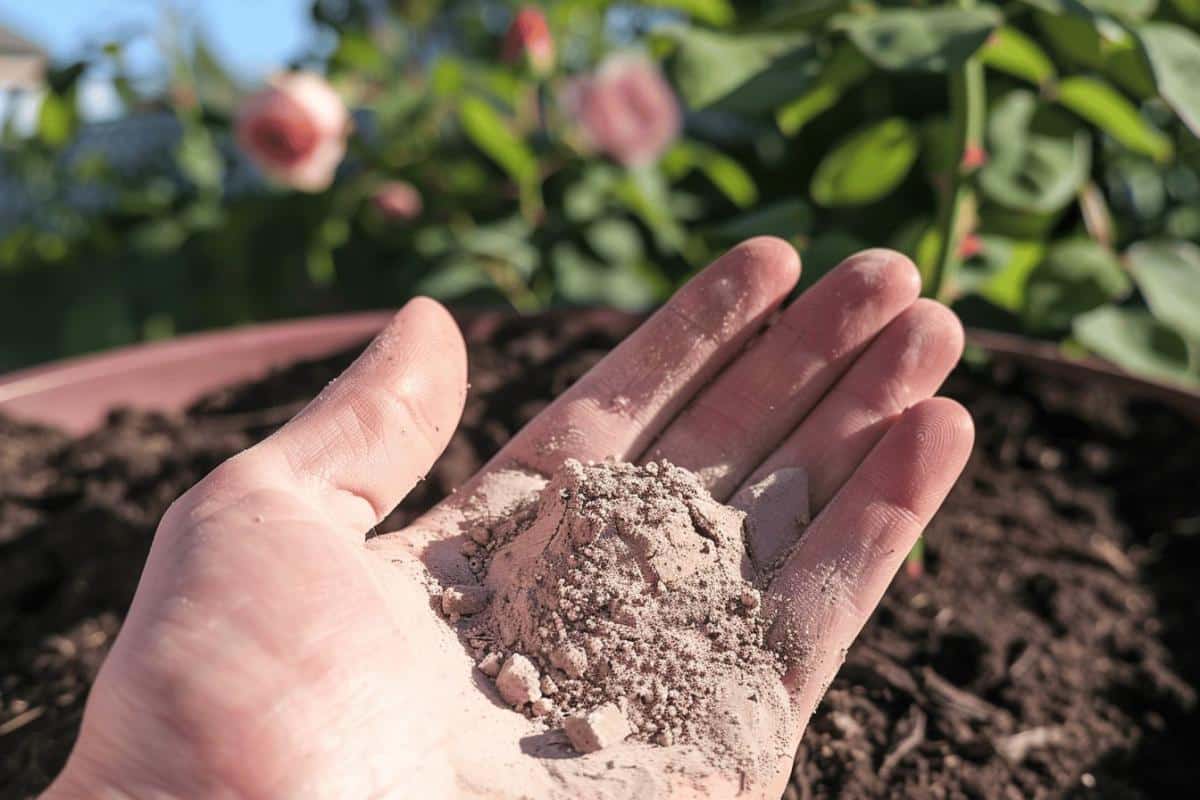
(271, 653)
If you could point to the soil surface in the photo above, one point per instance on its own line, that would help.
(1046, 651)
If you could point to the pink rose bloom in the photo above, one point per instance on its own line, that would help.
(626, 109)
(397, 201)
(529, 38)
(295, 130)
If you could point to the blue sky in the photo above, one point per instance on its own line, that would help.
(252, 37)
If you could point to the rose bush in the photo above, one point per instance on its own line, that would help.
(1038, 160)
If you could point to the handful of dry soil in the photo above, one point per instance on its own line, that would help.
(618, 603)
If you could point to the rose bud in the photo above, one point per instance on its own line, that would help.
(528, 39)
(397, 201)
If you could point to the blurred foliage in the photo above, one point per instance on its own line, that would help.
(1037, 158)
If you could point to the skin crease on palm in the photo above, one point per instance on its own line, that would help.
(272, 651)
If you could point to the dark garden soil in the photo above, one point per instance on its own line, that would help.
(1047, 651)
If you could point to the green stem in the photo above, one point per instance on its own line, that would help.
(968, 101)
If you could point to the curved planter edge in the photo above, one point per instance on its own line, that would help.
(75, 394)
(1047, 358)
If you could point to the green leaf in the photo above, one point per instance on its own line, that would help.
(1130, 9)
(718, 13)
(845, 68)
(1008, 264)
(1039, 156)
(787, 219)
(1015, 223)
(57, 119)
(1010, 51)
(447, 77)
(199, 159)
(617, 241)
(725, 173)
(922, 40)
(1107, 109)
(866, 166)
(743, 73)
(1074, 38)
(453, 279)
(1168, 275)
(501, 83)
(1126, 65)
(1136, 341)
(158, 236)
(158, 326)
(356, 52)
(319, 264)
(1091, 9)
(491, 134)
(799, 14)
(587, 197)
(506, 240)
(1077, 275)
(1099, 44)
(646, 194)
(1174, 54)
(627, 285)
(730, 177)
(1188, 9)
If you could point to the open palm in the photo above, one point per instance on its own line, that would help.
(273, 652)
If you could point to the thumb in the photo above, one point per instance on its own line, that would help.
(371, 434)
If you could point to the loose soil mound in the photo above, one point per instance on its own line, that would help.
(1046, 652)
(627, 591)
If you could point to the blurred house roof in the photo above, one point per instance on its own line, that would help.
(22, 63)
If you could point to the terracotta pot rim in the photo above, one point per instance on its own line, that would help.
(76, 393)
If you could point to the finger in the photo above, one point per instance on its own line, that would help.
(622, 402)
(906, 364)
(363, 443)
(625, 400)
(834, 578)
(734, 423)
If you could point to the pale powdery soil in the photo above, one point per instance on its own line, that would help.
(619, 603)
